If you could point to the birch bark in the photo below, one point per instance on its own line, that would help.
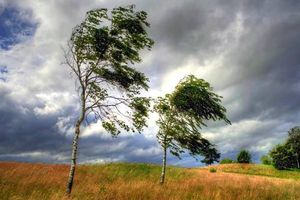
(75, 145)
(163, 171)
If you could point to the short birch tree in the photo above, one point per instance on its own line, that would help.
(181, 116)
(101, 53)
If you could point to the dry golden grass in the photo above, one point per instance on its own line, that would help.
(138, 181)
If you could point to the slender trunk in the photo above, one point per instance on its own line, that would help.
(75, 145)
(163, 171)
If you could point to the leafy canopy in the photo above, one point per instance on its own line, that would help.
(282, 157)
(244, 156)
(195, 99)
(211, 155)
(287, 154)
(169, 127)
(294, 140)
(182, 114)
(102, 52)
(266, 160)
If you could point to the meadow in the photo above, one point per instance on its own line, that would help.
(136, 181)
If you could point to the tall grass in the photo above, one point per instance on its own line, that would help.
(137, 181)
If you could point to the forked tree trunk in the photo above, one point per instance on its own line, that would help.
(75, 145)
(163, 171)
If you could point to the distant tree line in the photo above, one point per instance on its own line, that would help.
(282, 156)
(244, 156)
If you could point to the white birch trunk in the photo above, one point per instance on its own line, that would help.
(75, 145)
(163, 171)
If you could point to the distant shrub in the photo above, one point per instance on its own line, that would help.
(244, 157)
(212, 170)
(227, 161)
(266, 160)
(286, 155)
(282, 157)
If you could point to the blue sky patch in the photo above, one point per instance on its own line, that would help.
(3, 71)
(15, 26)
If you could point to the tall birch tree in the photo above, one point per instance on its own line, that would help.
(101, 53)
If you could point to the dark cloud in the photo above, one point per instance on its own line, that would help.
(123, 148)
(185, 30)
(265, 66)
(22, 131)
(27, 137)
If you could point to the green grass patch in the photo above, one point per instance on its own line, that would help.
(261, 170)
(212, 170)
(133, 170)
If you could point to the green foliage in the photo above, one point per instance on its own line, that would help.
(211, 155)
(293, 143)
(102, 52)
(286, 155)
(244, 157)
(266, 160)
(227, 161)
(116, 37)
(181, 118)
(261, 170)
(110, 127)
(131, 171)
(140, 107)
(282, 157)
(194, 98)
(169, 127)
(212, 170)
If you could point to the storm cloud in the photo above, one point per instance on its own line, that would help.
(248, 50)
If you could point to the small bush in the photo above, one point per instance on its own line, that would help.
(244, 157)
(212, 170)
(227, 161)
(266, 160)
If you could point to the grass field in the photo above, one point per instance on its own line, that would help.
(140, 181)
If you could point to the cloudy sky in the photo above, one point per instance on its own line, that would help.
(249, 50)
